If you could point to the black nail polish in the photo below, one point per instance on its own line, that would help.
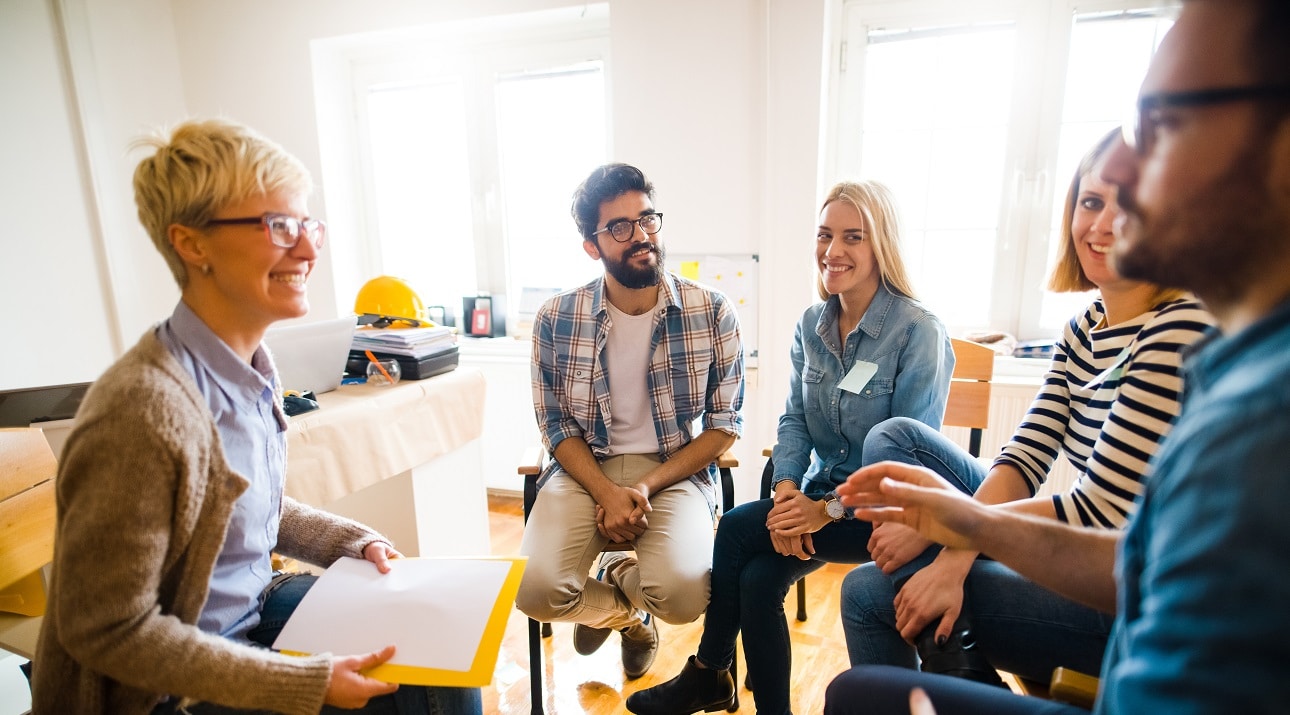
(940, 641)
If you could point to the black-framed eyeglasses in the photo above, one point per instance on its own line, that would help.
(1140, 131)
(283, 231)
(624, 229)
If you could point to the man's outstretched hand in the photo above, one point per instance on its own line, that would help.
(891, 492)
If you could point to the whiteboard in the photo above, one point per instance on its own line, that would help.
(736, 277)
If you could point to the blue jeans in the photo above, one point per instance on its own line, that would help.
(1020, 627)
(278, 602)
(884, 690)
(749, 583)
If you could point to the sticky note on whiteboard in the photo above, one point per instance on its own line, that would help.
(690, 269)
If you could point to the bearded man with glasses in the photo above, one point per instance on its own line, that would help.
(622, 368)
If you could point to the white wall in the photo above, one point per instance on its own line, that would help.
(79, 280)
(48, 335)
(731, 137)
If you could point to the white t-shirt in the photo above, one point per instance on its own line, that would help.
(631, 423)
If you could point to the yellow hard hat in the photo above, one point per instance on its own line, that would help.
(387, 300)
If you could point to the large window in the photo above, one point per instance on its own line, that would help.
(470, 150)
(976, 113)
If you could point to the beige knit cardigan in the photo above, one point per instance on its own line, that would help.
(144, 499)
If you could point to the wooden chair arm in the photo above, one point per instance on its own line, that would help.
(1073, 687)
(532, 461)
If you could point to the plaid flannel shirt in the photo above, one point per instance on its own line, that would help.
(696, 368)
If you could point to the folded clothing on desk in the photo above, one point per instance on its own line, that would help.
(413, 368)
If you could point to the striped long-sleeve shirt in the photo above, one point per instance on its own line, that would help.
(1110, 396)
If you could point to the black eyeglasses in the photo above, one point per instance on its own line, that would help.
(624, 229)
(283, 231)
(1140, 131)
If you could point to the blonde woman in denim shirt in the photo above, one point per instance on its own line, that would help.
(867, 353)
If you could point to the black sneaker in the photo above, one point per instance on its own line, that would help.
(958, 656)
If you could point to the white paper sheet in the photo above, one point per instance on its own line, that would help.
(432, 610)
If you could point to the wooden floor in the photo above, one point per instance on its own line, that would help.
(595, 683)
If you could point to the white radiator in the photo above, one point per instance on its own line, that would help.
(1008, 405)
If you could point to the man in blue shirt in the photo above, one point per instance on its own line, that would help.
(1204, 179)
(622, 368)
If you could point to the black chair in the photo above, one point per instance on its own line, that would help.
(530, 469)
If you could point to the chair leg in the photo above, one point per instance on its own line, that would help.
(546, 630)
(801, 599)
(536, 671)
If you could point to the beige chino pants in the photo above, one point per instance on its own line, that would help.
(673, 556)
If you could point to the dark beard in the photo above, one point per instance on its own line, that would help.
(636, 278)
(1220, 243)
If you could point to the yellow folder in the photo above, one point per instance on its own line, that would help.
(342, 603)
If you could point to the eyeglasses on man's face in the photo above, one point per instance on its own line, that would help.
(1140, 130)
(283, 231)
(623, 229)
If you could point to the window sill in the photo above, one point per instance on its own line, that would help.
(1023, 371)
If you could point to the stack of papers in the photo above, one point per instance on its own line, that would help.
(445, 617)
(408, 342)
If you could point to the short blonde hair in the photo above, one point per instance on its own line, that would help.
(875, 203)
(203, 166)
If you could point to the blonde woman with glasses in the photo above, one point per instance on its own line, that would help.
(170, 487)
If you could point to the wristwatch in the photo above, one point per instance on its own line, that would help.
(833, 507)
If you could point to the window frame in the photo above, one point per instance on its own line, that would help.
(481, 55)
(1043, 31)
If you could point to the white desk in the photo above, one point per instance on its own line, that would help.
(405, 460)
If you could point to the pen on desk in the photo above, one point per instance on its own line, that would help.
(379, 366)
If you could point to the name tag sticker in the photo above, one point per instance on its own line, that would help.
(859, 376)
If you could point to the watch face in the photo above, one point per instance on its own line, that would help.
(834, 509)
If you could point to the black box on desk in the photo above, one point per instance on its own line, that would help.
(418, 368)
(483, 316)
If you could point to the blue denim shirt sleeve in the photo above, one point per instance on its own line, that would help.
(926, 365)
(792, 453)
(1203, 588)
(1197, 567)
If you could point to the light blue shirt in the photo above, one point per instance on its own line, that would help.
(822, 431)
(253, 430)
(1203, 623)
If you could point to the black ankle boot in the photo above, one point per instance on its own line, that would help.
(693, 690)
(957, 656)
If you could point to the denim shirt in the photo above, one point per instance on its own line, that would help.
(1203, 622)
(822, 430)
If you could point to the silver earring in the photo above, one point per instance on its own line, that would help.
(206, 269)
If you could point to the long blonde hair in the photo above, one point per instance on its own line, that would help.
(875, 203)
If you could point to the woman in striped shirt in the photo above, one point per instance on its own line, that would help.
(1110, 396)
